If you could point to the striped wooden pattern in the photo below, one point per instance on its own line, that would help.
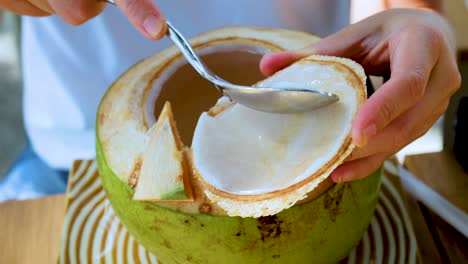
(93, 234)
(390, 237)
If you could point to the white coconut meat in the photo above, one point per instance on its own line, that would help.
(259, 163)
(163, 173)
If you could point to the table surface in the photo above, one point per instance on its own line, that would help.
(436, 238)
(456, 12)
(30, 230)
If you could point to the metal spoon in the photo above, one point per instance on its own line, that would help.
(289, 98)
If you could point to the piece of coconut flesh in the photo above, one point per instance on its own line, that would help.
(243, 152)
(163, 173)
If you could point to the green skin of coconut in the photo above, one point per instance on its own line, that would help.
(177, 194)
(323, 230)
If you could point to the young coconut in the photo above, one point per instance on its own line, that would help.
(239, 161)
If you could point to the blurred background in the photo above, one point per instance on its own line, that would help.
(12, 138)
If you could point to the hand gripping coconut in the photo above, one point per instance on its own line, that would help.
(197, 178)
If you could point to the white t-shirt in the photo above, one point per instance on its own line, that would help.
(67, 69)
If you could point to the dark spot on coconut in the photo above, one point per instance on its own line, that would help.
(202, 225)
(189, 258)
(149, 208)
(276, 256)
(133, 179)
(238, 233)
(154, 228)
(204, 208)
(269, 227)
(167, 244)
(332, 201)
(241, 227)
(186, 221)
(352, 194)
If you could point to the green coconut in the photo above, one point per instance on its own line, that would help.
(195, 212)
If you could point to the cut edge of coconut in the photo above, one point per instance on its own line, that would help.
(273, 203)
(149, 173)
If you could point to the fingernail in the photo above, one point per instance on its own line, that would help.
(152, 25)
(338, 177)
(367, 133)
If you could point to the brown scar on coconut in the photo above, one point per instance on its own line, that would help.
(133, 179)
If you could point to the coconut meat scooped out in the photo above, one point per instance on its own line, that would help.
(257, 163)
(243, 151)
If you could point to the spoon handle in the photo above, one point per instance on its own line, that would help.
(186, 49)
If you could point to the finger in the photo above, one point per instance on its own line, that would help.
(410, 70)
(445, 80)
(358, 169)
(349, 42)
(272, 63)
(145, 16)
(76, 12)
(345, 43)
(22, 7)
(43, 5)
(396, 136)
(407, 127)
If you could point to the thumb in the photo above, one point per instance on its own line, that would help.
(145, 16)
(344, 43)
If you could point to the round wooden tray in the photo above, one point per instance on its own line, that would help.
(92, 233)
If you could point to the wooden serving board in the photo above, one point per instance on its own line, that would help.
(92, 233)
